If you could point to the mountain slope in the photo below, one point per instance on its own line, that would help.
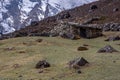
(80, 14)
(16, 14)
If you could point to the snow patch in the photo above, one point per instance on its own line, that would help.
(7, 29)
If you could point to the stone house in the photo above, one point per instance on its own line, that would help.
(86, 31)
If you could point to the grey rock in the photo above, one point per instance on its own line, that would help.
(42, 64)
(77, 63)
(107, 49)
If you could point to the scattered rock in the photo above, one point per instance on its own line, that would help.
(34, 23)
(39, 40)
(113, 38)
(81, 48)
(42, 64)
(107, 49)
(77, 63)
(64, 15)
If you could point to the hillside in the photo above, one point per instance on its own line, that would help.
(18, 57)
(41, 51)
(107, 10)
(16, 14)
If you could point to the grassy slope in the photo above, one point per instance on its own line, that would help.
(58, 52)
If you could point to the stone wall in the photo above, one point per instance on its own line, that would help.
(111, 27)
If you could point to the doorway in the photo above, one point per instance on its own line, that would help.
(83, 32)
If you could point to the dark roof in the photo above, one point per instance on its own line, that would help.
(77, 25)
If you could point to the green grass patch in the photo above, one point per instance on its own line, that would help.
(58, 52)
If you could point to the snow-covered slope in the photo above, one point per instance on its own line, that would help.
(15, 14)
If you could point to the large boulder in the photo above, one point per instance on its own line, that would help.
(107, 49)
(77, 63)
(42, 64)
